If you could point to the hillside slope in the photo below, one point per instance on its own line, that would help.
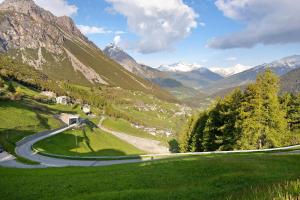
(290, 82)
(56, 47)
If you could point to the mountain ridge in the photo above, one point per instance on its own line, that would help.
(280, 67)
(56, 46)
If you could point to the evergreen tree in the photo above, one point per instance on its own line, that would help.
(191, 139)
(263, 121)
(221, 131)
(291, 105)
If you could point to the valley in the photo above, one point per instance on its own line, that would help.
(91, 108)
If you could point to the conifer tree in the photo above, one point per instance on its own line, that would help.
(263, 121)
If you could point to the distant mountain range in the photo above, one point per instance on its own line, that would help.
(55, 46)
(280, 67)
(181, 79)
(229, 71)
(185, 80)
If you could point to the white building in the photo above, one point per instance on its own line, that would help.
(69, 118)
(86, 109)
(63, 100)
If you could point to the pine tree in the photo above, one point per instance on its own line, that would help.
(191, 139)
(263, 121)
(291, 104)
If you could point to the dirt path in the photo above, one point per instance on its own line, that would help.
(147, 145)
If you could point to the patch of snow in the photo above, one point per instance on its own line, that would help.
(229, 71)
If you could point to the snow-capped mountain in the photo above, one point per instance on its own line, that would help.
(282, 66)
(279, 67)
(229, 71)
(180, 67)
(120, 56)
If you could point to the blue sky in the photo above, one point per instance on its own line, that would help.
(241, 27)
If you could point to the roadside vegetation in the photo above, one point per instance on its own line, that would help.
(255, 118)
(240, 176)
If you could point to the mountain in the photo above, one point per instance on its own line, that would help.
(120, 56)
(280, 67)
(197, 79)
(55, 46)
(161, 78)
(229, 71)
(290, 82)
(179, 67)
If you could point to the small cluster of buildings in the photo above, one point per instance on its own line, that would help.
(65, 100)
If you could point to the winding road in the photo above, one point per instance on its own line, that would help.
(24, 149)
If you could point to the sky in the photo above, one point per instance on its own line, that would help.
(211, 33)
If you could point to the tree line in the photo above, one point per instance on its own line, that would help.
(255, 118)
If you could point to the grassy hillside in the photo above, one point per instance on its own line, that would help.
(199, 177)
(87, 141)
(20, 119)
(36, 116)
(124, 126)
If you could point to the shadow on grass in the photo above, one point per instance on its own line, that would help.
(65, 144)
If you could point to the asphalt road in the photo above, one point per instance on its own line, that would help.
(25, 151)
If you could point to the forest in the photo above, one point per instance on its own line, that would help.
(256, 118)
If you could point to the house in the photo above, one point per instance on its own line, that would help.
(69, 119)
(86, 109)
(63, 100)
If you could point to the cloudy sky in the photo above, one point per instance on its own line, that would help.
(212, 33)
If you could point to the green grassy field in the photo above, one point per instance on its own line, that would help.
(90, 142)
(124, 126)
(240, 176)
(20, 119)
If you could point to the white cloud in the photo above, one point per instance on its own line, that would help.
(231, 59)
(87, 30)
(159, 24)
(58, 7)
(117, 40)
(119, 32)
(267, 22)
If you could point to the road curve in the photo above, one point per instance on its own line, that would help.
(25, 150)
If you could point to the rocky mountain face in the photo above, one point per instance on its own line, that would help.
(56, 46)
(117, 54)
(280, 67)
(25, 25)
